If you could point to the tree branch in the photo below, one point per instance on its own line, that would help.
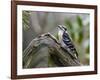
(45, 51)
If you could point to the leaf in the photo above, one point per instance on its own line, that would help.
(80, 36)
(79, 21)
(25, 20)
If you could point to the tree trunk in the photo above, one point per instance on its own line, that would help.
(46, 51)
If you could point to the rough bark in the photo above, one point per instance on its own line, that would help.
(46, 51)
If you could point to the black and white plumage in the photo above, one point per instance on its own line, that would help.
(66, 41)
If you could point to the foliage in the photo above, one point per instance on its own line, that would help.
(25, 20)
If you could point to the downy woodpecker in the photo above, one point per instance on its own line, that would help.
(66, 41)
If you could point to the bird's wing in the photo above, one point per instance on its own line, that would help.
(67, 40)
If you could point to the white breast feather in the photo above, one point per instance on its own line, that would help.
(60, 33)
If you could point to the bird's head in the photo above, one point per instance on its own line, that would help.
(62, 28)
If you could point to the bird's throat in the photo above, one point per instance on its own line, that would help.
(60, 33)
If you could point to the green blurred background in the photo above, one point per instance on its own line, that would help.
(36, 23)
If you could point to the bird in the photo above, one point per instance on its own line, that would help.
(66, 41)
